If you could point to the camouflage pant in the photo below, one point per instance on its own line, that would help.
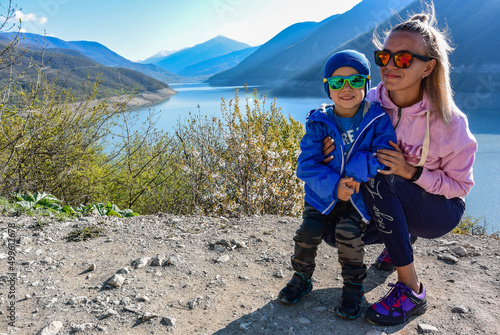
(346, 225)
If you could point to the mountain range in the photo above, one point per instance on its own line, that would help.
(303, 44)
(91, 50)
(291, 62)
(186, 62)
(475, 74)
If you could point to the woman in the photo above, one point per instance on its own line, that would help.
(430, 169)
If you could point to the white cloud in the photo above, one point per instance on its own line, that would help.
(30, 17)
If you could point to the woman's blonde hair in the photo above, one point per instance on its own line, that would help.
(437, 85)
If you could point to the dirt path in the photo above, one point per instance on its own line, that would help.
(219, 276)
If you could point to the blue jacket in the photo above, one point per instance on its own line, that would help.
(321, 180)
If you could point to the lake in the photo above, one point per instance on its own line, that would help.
(482, 202)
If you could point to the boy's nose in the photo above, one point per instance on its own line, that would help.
(347, 85)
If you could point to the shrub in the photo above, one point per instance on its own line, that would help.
(243, 162)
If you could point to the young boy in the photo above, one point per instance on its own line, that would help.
(333, 203)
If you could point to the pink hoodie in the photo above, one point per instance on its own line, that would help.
(448, 167)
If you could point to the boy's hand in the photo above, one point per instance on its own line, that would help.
(354, 185)
(344, 192)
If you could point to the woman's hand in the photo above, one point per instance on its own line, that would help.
(328, 147)
(395, 161)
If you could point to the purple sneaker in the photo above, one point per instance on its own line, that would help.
(384, 262)
(395, 308)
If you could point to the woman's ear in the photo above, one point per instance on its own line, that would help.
(431, 64)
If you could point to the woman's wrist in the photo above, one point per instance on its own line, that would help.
(415, 174)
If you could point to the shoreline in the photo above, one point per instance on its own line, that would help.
(150, 98)
(140, 99)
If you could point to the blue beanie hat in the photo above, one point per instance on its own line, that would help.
(350, 58)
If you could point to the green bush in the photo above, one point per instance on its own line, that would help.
(242, 163)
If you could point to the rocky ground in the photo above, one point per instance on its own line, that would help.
(167, 274)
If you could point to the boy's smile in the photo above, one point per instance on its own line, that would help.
(347, 99)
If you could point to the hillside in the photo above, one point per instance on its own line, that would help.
(307, 48)
(166, 274)
(70, 70)
(215, 47)
(92, 50)
(472, 71)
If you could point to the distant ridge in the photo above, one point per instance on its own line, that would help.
(215, 47)
(93, 50)
(73, 71)
(218, 64)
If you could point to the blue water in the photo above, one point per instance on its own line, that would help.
(482, 202)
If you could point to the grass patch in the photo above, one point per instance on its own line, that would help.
(85, 234)
(474, 226)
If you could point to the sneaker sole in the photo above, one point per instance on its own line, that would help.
(347, 316)
(293, 302)
(396, 322)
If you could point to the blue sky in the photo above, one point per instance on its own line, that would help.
(139, 29)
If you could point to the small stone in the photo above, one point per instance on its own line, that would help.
(143, 298)
(81, 328)
(47, 261)
(244, 326)
(219, 248)
(132, 308)
(320, 309)
(92, 267)
(243, 277)
(76, 300)
(124, 271)
(140, 262)
(223, 259)
(427, 329)
(169, 322)
(109, 313)
(148, 316)
(239, 244)
(157, 261)
(460, 251)
(24, 240)
(26, 297)
(174, 260)
(460, 309)
(115, 281)
(52, 329)
(448, 258)
(194, 302)
(279, 273)
(304, 321)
